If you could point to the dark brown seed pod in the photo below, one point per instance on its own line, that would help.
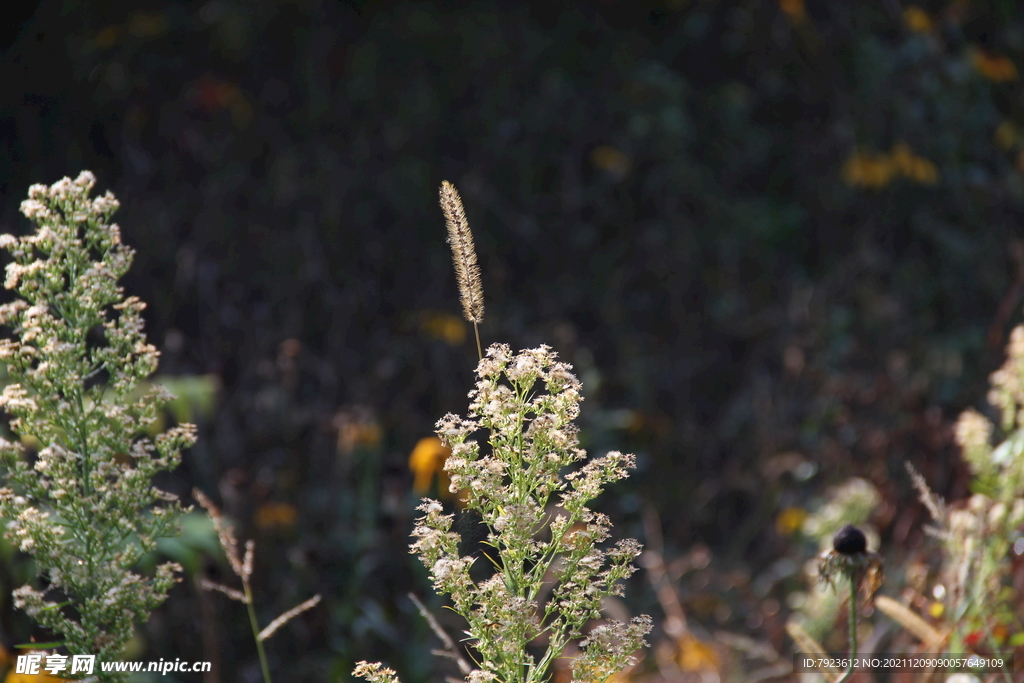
(850, 541)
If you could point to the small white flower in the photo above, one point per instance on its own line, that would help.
(35, 210)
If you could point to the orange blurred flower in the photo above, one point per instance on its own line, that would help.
(790, 520)
(213, 94)
(41, 677)
(107, 37)
(13, 677)
(913, 166)
(610, 160)
(1006, 135)
(917, 20)
(444, 326)
(426, 460)
(902, 157)
(873, 170)
(147, 24)
(356, 428)
(276, 516)
(996, 68)
(923, 171)
(696, 655)
(866, 169)
(793, 9)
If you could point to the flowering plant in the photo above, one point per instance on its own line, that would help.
(85, 507)
(551, 575)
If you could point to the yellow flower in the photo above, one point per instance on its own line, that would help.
(790, 520)
(917, 20)
(444, 326)
(107, 37)
(1006, 135)
(903, 158)
(611, 161)
(13, 677)
(147, 24)
(793, 9)
(995, 68)
(276, 516)
(869, 170)
(426, 459)
(923, 171)
(864, 169)
(696, 655)
(913, 166)
(356, 428)
(41, 677)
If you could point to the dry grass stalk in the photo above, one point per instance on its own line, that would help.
(450, 651)
(935, 506)
(467, 272)
(206, 584)
(243, 566)
(288, 616)
(909, 620)
(809, 646)
(225, 533)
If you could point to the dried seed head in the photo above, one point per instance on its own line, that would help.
(467, 272)
(850, 540)
(850, 557)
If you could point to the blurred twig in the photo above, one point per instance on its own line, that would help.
(654, 562)
(776, 666)
(450, 651)
(208, 626)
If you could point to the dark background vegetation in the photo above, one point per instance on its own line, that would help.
(779, 242)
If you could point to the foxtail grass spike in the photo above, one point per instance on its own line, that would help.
(467, 272)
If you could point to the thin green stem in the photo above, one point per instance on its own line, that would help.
(256, 632)
(479, 349)
(853, 627)
(995, 648)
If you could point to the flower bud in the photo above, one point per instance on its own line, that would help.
(850, 541)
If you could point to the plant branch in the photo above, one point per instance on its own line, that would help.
(449, 644)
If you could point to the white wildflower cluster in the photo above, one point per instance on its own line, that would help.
(552, 572)
(1007, 391)
(999, 470)
(85, 508)
(607, 648)
(375, 673)
(979, 534)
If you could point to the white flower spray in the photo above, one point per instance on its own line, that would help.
(85, 508)
(552, 570)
